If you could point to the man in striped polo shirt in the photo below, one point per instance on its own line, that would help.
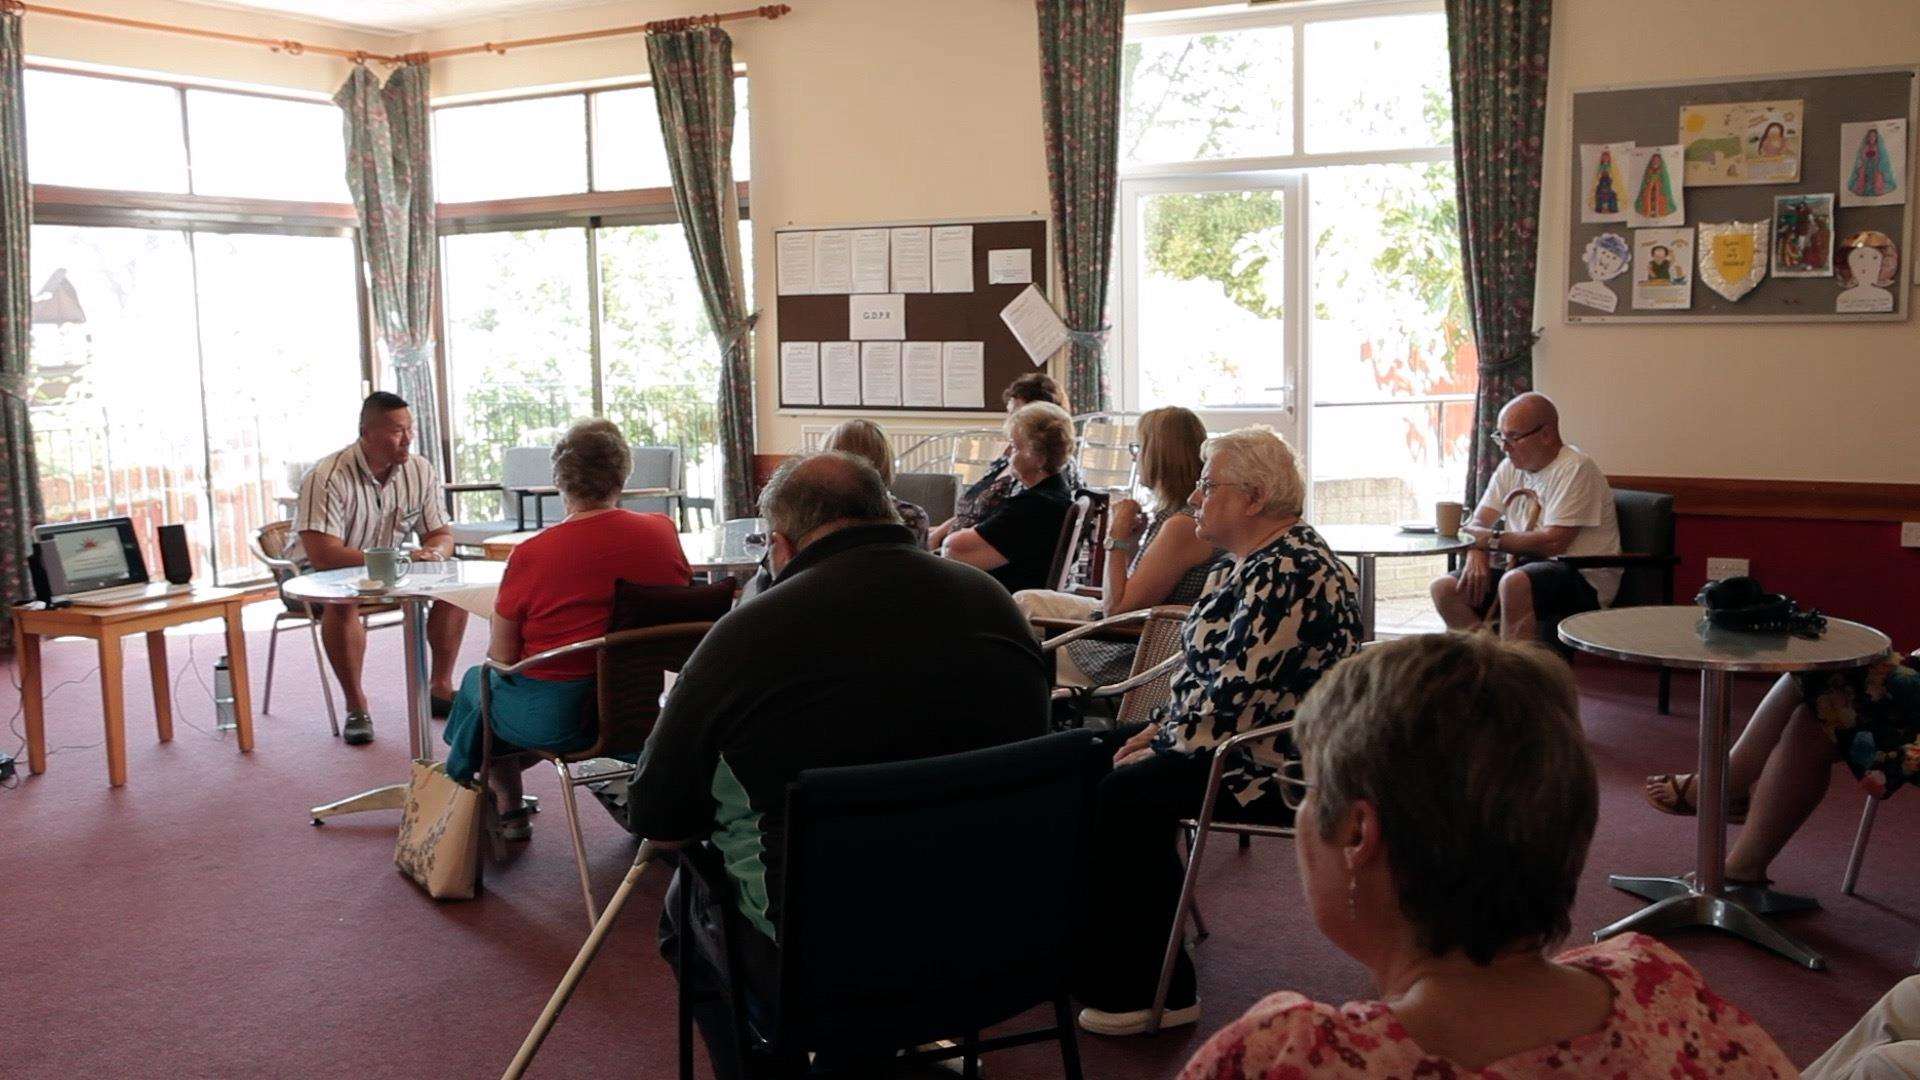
(369, 495)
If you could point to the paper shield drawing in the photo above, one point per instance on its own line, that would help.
(1733, 256)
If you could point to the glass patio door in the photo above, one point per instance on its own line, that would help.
(1213, 302)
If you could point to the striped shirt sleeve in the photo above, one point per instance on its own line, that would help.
(322, 505)
(433, 512)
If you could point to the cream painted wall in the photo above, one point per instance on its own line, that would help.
(52, 38)
(1803, 402)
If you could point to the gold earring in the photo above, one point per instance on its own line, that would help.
(1353, 897)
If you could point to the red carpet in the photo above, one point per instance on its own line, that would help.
(192, 923)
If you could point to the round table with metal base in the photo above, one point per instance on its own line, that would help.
(1679, 637)
(416, 591)
(1366, 544)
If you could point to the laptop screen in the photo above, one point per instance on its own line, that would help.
(96, 554)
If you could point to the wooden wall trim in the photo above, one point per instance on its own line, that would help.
(1822, 500)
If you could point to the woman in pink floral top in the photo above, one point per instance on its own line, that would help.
(1451, 880)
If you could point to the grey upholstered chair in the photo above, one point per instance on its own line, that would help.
(935, 493)
(1647, 558)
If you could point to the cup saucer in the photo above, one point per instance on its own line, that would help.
(367, 586)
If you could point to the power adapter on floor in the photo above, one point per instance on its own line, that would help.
(6, 768)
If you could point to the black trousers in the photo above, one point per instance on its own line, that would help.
(706, 932)
(1135, 874)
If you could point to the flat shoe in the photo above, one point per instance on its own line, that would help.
(1134, 1022)
(441, 707)
(516, 824)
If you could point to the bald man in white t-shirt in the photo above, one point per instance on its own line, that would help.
(1545, 499)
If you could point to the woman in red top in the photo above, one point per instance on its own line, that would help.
(558, 589)
(1448, 803)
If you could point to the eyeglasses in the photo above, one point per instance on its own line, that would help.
(1505, 439)
(1293, 782)
(756, 545)
(1206, 487)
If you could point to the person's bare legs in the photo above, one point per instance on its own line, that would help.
(1749, 755)
(1793, 783)
(1451, 603)
(1517, 621)
(346, 645)
(445, 626)
(505, 780)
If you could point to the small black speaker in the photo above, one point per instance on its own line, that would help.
(174, 557)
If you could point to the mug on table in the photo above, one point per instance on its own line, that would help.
(387, 565)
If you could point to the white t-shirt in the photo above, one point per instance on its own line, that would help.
(1572, 491)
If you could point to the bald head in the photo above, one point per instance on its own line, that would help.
(1530, 430)
(812, 496)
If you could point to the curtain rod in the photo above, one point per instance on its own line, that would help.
(361, 56)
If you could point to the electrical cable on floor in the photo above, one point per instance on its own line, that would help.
(173, 690)
(19, 709)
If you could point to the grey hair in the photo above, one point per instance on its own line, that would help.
(591, 461)
(1257, 458)
(807, 493)
(1470, 751)
(1047, 429)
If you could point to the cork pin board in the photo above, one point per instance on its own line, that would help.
(1650, 116)
(822, 316)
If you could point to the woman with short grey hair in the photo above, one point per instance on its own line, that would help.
(558, 589)
(1445, 800)
(1015, 543)
(1274, 618)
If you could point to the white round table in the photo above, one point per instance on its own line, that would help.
(1367, 544)
(462, 581)
(1679, 637)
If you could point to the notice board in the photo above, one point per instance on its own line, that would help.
(1836, 107)
(891, 321)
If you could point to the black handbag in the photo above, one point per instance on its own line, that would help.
(1742, 603)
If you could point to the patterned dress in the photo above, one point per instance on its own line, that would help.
(1264, 633)
(1665, 1022)
(981, 498)
(913, 518)
(1108, 662)
(1873, 716)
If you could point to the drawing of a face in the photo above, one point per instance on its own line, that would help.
(1867, 259)
(1865, 263)
(1606, 257)
(1659, 253)
(1773, 141)
(1871, 144)
(1653, 162)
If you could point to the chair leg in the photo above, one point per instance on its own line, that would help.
(1666, 690)
(1069, 1039)
(320, 665)
(1859, 845)
(1246, 841)
(1199, 922)
(273, 647)
(684, 993)
(1181, 909)
(970, 1056)
(579, 843)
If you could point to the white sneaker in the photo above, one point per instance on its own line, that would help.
(1100, 1022)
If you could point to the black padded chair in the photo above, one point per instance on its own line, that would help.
(1647, 559)
(924, 900)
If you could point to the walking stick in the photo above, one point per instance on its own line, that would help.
(579, 968)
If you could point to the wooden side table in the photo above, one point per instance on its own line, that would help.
(106, 626)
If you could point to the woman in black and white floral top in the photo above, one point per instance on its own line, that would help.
(1271, 623)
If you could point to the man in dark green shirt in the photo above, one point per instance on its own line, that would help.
(866, 648)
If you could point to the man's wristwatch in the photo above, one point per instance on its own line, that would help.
(1493, 540)
(1116, 544)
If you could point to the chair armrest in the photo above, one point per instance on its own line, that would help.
(1159, 670)
(1596, 562)
(1122, 627)
(1255, 735)
(467, 488)
(589, 645)
(1091, 592)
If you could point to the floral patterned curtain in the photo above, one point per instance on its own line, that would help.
(19, 480)
(692, 70)
(1080, 43)
(1499, 54)
(390, 172)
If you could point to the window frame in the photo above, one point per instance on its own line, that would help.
(1291, 172)
(192, 214)
(590, 210)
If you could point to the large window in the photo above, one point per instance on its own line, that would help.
(1289, 251)
(569, 288)
(189, 358)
